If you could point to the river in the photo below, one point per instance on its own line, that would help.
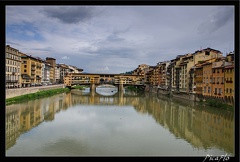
(112, 123)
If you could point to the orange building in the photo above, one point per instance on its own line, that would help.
(218, 79)
(198, 77)
(207, 79)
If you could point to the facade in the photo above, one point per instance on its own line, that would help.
(52, 62)
(142, 69)
(198, 79)
(46, 73)
(12, 67)
(184, 79)
(57, 73)
(229, 83)
(206, 54)
(218, 79)
(31, 70)
(63, 72)
(207, 79)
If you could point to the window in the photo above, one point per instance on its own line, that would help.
(25, 71)
(227, 90)
(230, 90)
(25, 66)
(215, 91)
(220, 90)
(204, 89)
(209, 89)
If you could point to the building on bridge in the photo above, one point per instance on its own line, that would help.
(119, 80)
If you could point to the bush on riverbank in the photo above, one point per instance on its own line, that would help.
(32, 96)
(81, 87)
(217, 103)
(134, 88)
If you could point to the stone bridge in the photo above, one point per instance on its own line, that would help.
(119, 80)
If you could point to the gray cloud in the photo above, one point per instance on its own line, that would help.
(115, 38)
(70, 14)
(217, 20)
(119, 37)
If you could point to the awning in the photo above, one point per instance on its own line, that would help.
(25, 76)
(38, 77)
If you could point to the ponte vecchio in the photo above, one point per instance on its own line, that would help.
(94, 79)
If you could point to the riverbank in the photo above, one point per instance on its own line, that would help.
(10, 93)
(39, 94)
(213, 102)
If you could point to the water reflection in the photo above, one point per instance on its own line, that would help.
(106, 91)
(203, 128)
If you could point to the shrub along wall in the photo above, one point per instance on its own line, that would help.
(10, 93)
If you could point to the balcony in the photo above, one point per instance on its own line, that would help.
(11, 81)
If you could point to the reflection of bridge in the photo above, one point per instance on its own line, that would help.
(118, 80)
(93, 98)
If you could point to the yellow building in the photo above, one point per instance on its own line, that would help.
(31, 70)
(13, 67)
(229, 83)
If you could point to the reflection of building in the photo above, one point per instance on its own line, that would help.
(201, 127)
(12, 127)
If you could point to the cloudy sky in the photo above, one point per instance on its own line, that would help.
(116, 39)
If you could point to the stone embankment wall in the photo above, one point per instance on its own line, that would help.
(182, 95)
(27, 90)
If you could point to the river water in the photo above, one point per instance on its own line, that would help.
(112, 123)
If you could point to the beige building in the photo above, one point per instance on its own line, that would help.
(186, 63)
(12, 67)
(206, 54)
(52, 62)
(142, 69)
